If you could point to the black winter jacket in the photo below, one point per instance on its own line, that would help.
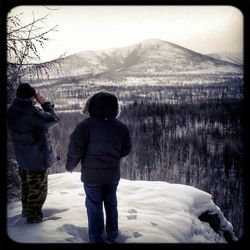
(99, 143)
(29, 126)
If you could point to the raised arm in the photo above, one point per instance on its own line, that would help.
(46, 117)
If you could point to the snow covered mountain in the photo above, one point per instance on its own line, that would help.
(235, 58)
(147, 58)
(149, 212)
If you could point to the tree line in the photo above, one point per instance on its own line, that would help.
(194, 144)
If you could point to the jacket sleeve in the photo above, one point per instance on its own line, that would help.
(45, 118)
(77, 146)
(126, 144)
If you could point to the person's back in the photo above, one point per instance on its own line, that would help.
(105, 147)
(29, 135)
(28, 126)
(100, 141)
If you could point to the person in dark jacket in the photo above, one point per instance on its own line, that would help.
(100, 142)
(28, 126)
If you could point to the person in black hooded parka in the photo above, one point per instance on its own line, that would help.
(99, 142)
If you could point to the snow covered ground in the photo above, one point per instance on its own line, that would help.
(149, 212)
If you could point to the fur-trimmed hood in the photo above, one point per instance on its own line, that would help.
(102, 104)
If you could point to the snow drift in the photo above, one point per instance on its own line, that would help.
(149, 212)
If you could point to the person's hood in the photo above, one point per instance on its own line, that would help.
(102, 104)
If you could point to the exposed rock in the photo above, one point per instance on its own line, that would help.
(216, 224)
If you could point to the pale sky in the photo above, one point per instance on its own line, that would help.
(204, 29)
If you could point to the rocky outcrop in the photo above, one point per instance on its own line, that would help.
(216, 223)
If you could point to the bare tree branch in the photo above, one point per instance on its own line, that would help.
(23, 42)
(27, 25)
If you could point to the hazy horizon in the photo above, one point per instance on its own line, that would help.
(203, 29)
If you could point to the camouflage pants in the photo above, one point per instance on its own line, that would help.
(34, 193)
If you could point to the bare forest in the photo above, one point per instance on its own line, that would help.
(185, 132)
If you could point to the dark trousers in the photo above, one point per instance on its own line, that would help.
(98, 195)
(34, 193)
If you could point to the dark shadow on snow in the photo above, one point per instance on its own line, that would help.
(48, 212)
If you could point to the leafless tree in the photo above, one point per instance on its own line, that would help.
(23, 41)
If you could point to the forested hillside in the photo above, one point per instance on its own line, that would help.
(184, 115)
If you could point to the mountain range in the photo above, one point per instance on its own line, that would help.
(150, 57)
(232, 57)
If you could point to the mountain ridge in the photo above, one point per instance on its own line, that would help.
(232, 57)
(149, 57)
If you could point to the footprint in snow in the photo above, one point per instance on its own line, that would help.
(153, 224)
(132, 211)
(133, 214)
(77, 234)
(137, 234)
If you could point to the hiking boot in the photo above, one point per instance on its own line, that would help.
(112, 240)
(35, 220)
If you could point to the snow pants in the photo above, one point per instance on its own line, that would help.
(96, 196)
(34, 193)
